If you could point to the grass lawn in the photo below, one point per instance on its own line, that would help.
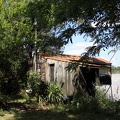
(53, 113)
(20, 110)
(50, 115)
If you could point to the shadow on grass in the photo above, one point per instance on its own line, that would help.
(62, 115)
(42, 115)
(15, 105)
(15, 97)
(25, 111)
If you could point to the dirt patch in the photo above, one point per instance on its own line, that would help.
(7, 117)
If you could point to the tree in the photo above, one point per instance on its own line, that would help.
(98, 19)
(15, 39)
(41, 14)
(95, 18)
(23, 29)
(115, 70)
(47, 25)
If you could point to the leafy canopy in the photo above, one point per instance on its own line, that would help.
(25, 26)
(99, 19)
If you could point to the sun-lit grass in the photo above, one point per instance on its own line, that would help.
(6, 115)
(56, 113)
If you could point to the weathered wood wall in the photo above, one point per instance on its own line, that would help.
(62, 76)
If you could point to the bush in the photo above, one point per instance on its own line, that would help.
(98, 104)
(37, 87)
(49, 92)
(33, 82)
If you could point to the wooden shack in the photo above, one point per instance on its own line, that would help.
(95, 72)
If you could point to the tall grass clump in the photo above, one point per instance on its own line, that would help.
(55, 93)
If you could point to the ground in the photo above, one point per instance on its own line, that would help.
(23, 109)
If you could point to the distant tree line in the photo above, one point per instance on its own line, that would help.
(115, 69)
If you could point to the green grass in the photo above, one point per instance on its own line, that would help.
(23, 110)
(6, 115)
(56, 113)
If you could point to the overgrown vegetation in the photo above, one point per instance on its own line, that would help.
(51, 105)
(28, 26)
(99, 104)
(80, 107)
(23, 30)
(55, 93)
(44, 91)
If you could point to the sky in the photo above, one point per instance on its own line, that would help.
(79, 44)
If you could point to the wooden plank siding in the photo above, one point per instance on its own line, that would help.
(55, 70)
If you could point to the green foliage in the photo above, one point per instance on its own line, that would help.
(115, 69)
(34, 82)
(47, 41)
(22, 24)
(72, 66)
(15, 34)
(39, 88)
(55, 22)
(55, 93)
(72, 17)
(43, 90)
(98, 104)
(13, 75)
(49, 92)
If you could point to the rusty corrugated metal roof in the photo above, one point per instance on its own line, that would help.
(71, 58)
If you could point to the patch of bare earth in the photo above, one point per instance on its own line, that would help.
(7, 117)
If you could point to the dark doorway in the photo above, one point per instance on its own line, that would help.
(89, 75)
(51, 72)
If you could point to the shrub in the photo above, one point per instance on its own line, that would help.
(98, 104)
(33, 82)
(39, 88)
(49, 92)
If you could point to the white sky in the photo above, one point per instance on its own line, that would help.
(79, 44)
